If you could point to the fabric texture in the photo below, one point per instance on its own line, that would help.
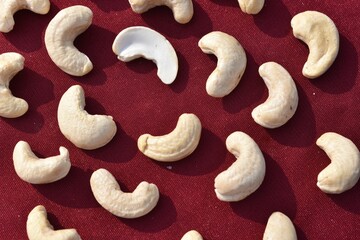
(140, 103)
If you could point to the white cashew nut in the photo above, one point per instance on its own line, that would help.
(9, 7)
(39, 228)
(282, 101)
(135, 42)
(279, 226)
(319, 32)
(231, 62)
(182, 9)
(108, 194)
(79, 127)
(251, 6)
(246, 174)
(59, 39)
(36, 170)
(344, 170)
(10, 107)
(192, 235)
(177, 144)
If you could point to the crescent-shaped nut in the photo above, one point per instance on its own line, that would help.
(192, 235)
(177, 144)
(138, 41)
(246, 174)
(344, 170)
(182, 9)
(231, 62)
(39, 228)
(319, 32)
(251, 6)
(108, 194)
(279, 226)
(84, 130)
(36, 170)
(9, 7)
(282, 101)
(10, 107)
(59, 39)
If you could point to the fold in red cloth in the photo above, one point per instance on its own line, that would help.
(140, 103)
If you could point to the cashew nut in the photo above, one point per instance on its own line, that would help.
(279, 226)
(107, 192)
(282, 101)
(82, 129)
(246, 174)
(60, 35)
(231, 62)
(36, 170)
(39, 228)
(9, 7)
(176, 145)
(182, 9)
(319, 32)
(10, 107)
(251, 6)
(344, 170)
(135, 42)
(192, 235)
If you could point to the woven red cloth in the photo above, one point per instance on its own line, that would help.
(140, 103)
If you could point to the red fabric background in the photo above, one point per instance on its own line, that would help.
(140, 103)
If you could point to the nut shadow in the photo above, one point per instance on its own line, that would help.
(345, 200)
(72, 191)
(22, 86)
(341, 76)
(302, 125)
(110, 5)
(30, 26)
(277, 192)
(250, 82)
(161, 217)
(120, 139)
(182, 78)
(228, 3)
(155, 19)
(275, 25)
(207, 157)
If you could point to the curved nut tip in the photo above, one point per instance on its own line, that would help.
(319, 32)
(108, 194)
(177, 144)
(39, 228)
(36, 170)
(84, 130)
(246, 174)
(182, 9)
(251, 6)
(279, 226)
(344, 170)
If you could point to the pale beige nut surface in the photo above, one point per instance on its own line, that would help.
(192, 235)
(176, 145)
(344, 170)
(9, 7)
(59, 39)
(182, 9)
(10, 107)
(230, 66)
(319, 32)
(134, 204)
(246, 174)
(138, 41)
(251, 6)
(84, 130)
(39, 228)
(279, 227)
(282, 101)
(36, 170)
